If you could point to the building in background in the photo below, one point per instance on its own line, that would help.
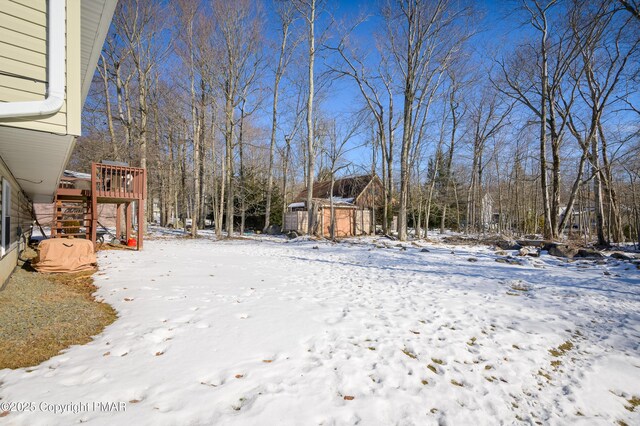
(355, 198)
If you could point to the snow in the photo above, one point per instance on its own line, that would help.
(343, 200)
(336, 200)
(368, 331)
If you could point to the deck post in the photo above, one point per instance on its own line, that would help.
(140, 223)
(118, 220)
(142, 204)
(54, 222)
(128, 216)
(94, 204)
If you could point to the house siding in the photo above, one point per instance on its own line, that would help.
(20, 219)
(23, 63)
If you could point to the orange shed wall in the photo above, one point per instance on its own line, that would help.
(344, 222)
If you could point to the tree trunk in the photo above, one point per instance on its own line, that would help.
(229, 157)
(241, 185)
(195, 127)
(107, 96)
(274, 117)
(597, 193)
(310, 138)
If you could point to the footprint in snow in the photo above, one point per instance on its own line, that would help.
(86, 378)
(158, 335)
(213, 381)
(183, 319)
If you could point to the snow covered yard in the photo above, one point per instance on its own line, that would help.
(267, 332)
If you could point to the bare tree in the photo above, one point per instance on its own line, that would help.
(104, 75)
(238, 25)
(488, 116)
(632, 6)
(605, 55)
(557, 50)
(188, 10)
(339, 139)
(424, 38)
(375, 88)
(285, 13)
(308, 10)
(139, 23)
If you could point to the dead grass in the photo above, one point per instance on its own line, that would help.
(634, 402)
(562, 349)
(545, 375)
(41, 315)
(109, 246)
(410, 354)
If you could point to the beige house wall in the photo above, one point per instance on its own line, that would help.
(20, 220)
(7, 264)
(23, 62)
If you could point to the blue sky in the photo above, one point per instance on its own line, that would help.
(494, 28)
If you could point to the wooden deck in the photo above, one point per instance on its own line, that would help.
(77, 201)
(113, 184)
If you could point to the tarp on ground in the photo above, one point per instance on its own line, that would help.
(65, 255)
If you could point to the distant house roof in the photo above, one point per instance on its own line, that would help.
(77, 175)
(326, 202)
(348, 188)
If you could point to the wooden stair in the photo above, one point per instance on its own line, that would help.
(72, 218)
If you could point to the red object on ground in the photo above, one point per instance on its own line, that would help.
(132, 242)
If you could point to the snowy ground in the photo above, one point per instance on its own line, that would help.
(270, 332)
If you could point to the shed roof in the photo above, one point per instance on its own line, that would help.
(346, 188)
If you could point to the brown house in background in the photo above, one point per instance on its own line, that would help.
(354, 200)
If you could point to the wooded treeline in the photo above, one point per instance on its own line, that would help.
(523, 123)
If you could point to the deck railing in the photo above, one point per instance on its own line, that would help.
(67, 183)
(118, 181)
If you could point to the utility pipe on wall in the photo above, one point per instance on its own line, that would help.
(51, 104)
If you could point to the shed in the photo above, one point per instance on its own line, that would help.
(353, 198)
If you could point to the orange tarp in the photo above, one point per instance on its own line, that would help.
(65, 255)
